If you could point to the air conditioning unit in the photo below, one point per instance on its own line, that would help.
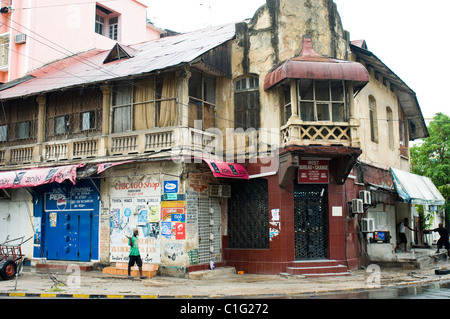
(366, 198)
(20, 38)
(220, 191)
(357, 206)
(368, 225)
(225, 191)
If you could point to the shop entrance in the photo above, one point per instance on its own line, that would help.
(68, 235)
(311, 221)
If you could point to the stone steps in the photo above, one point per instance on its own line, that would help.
(317, 268)
(121, 269)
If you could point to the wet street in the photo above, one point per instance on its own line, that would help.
(429, 291)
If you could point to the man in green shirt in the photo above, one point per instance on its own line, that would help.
(135, 256)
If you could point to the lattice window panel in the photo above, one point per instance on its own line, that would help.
(311, 221)
(248, 215)
(209, 233)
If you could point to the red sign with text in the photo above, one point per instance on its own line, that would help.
(313, 172)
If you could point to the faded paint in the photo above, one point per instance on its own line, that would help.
(379, 152)
(275, 34)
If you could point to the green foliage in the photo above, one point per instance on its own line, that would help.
(445, 191)
(432, 157)
(424, 217)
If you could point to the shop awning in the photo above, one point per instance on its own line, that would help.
(311, 65)
(104, 166)
(227, 170)
(38, 176)
(416, 189)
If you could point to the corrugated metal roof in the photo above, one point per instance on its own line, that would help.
(406, 96)
(416, 189)
(88, 67)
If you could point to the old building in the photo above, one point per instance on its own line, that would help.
(34, 34)
(244, 145)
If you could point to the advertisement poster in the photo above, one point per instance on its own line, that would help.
(180, 231)
(173, 216)
(135, 205)
(52, 219)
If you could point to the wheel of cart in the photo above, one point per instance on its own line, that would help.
(11, 258)
(8, 269)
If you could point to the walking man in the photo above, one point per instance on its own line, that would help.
(135, 256)
(443, 241)
(402, 233)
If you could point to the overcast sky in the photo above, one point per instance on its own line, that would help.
(410, 36)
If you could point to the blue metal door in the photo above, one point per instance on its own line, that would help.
(68, 235)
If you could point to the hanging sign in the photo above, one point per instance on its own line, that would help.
(313, 172)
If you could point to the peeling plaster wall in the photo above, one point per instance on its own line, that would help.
(275, 34)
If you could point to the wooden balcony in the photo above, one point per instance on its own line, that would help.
(158, 142)
(316, 133)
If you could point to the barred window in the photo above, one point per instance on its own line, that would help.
(248, 215)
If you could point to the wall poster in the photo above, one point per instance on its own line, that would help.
(135, 205)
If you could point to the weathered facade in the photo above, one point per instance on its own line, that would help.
(242, 145)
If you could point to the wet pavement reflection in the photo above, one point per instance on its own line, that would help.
(430, 291)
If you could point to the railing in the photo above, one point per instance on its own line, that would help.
(159, 140)
(322, 133)
(21, 155)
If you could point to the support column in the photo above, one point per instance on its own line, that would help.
(106, 120)
(353, 120)
(42, 110)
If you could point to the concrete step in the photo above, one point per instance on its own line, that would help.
(121, 269)
(204, 274)
(317, 268)
(62, 265)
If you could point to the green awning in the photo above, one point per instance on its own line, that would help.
(416, 189)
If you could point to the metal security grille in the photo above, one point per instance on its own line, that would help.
(311, 221)
(209, 234)
(248, 215)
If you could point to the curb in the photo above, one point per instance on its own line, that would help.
(115, 297)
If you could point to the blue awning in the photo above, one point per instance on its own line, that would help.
(416, 189)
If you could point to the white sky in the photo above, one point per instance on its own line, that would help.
(409, 36)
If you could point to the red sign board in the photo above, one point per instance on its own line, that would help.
(313, 172)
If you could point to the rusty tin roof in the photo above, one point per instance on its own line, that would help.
(88, 67)
(311, 65)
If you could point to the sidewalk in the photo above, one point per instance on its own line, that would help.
(216, 284)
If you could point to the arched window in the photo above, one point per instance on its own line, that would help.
(373, 119)
(246, 103)
(390, 123)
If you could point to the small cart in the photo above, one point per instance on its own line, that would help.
(11, 258)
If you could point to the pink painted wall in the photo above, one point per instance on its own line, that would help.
(60, 28)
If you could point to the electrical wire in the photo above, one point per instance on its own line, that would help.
(133, 84)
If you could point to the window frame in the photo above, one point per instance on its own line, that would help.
(116, 106)
(4, 137)
(5, 43)
(99, 24)
(317, 102)
(201, 99)
(18, 125)
(373, 119)
(103, 24)
(67, 124)
(390, 123)
(92, 121)
(251, 82)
